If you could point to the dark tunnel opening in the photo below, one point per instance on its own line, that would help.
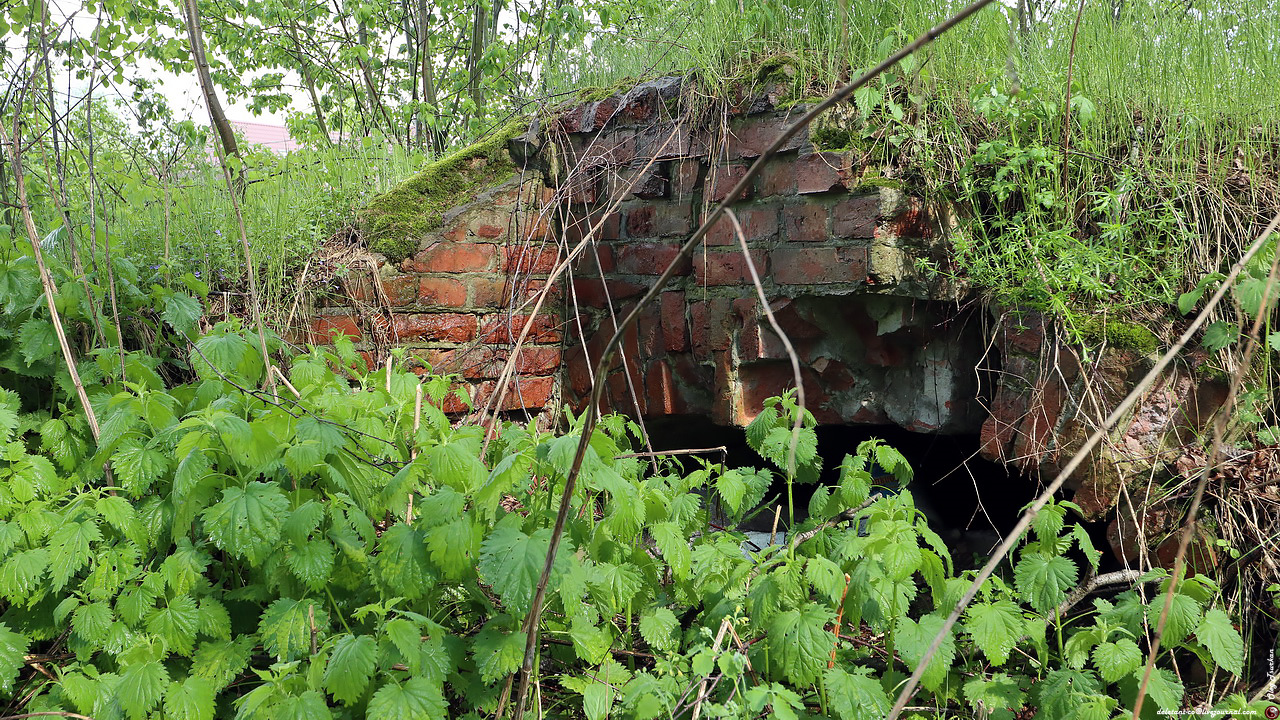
(970, 502)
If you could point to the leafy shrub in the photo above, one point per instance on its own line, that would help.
(314, 556)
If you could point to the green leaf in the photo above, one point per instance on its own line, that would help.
(1116, 659)
(856, 696)
(498, 651)
(13, 651)
(181, 312)
(1219, 335)
(913, 641)
(21, 574)
(37, 340)
(999, 692)
(401, 564)
(511, 562)
(141, 687)
(311, 562)
(221, 661)
(590, 641)
(92, 621)
(658, 627)
(454, 547)
(415, 698)
(286, 627)
(247, 521)
(350, 667)
(995, 627)
(1184, 616)
(731, 488)
(69, 551)
(1048, 522)
(1044, 580)
(175, 624)
(826, 577)
(1224, 642)
(1163, 688)
(191, 699)
(455, 465)
(800, 644)
(674, 546)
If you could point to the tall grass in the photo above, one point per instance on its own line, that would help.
(1215, 62)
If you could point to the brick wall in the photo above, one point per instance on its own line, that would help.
(839, 247)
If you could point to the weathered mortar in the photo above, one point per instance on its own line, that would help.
(838, 248)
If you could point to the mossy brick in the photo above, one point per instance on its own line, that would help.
(856, 217)
(435, 327)
(721, 180)
(530, 259)
(445, 292)
(804, 223)
(820, 265)
(913, 223)
(448, 256)
(395, 222)
(651, 258)
(323, 328)
(728, 267)
(505, 329)
(758, 223)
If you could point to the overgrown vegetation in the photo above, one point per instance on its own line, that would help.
(222, 552)
(395, 222)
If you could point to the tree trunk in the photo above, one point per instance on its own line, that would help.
(428, 66)
(478, 31)
(219, 119)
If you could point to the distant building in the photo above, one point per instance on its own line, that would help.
(275, 138)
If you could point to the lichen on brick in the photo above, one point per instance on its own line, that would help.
(395, 222)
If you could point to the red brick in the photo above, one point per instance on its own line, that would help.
(442, 291)
(608, 227)
(1007, 409)
(721, 180)
(440, 327)
(583, 187)
(778, 177)
(757, 224)
(822, 172)
(658, 220)
(471, 362)
(675, 336)
(579, 368)
(591, 292)
(323, 328)
(528, 393)
(506, 328)
(485, 230)
(855, 217)
(651, 259)
(401, 290)
(804, 223)
(729, 267)
(709, 326)
(454, 257)
(538, 360)
(647, 182)
(753, 136)
(489, 291)
(537, 260)
(687, 173)
(819, 265)
(914, 222)
(661, 393)
(649, 329)
(535, 227)
(763, 380)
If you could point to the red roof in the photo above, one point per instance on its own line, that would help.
(274, 137)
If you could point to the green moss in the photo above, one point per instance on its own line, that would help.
(874, 182)
(394, 222)
(1118, 334)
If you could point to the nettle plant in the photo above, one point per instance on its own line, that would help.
(311, 555)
